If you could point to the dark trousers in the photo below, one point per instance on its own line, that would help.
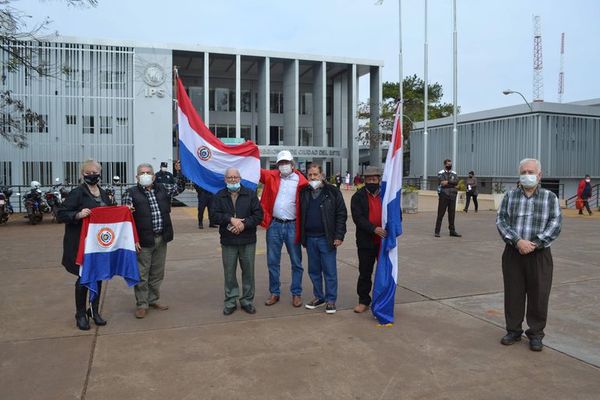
(586, 204)
(526, 278)
(366, 261)
(474, 196)
(204, 199)
(444, 203)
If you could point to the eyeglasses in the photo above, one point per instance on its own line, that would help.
(232, 178)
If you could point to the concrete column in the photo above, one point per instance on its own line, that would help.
(320, 104)
(352, 116)
(339, 120)
(375, 104)
(206, 88)
(238, 95)
(291, 94)
(264, 90)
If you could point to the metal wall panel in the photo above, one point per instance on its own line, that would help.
(84, 83)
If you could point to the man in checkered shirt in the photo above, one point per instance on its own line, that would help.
(529, 220)
(151, 206)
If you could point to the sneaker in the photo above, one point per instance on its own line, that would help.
(330, 308)
(314, 303)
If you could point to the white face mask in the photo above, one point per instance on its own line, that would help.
(146, 179)
(588, 180)
(528, 181)
(285, 169)
(315, 184)
(163, 169)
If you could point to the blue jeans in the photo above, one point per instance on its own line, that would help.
(277, 235)
(322, 264)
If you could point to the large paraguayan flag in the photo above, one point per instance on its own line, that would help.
(204, 158)
(386, 275)
(107, 247)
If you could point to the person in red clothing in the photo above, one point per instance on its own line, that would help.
(280, 204)
(584, 192)
(366, 214)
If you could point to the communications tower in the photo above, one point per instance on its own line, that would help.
(538, 77)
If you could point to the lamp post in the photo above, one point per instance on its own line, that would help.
(508, 91)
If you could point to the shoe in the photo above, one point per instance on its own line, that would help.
(314, 303)
(82, 321)
(330, 308)
(140, 313)
(98, 320)
(229, 310)
(249, 308)
(580, 212)
(361, 308)
(200, 227)
(159, 307)
(465, 210)
(436, 234)
(296, 301)
(511, 338)
(535, 344)
(455, 234)
(272, 300)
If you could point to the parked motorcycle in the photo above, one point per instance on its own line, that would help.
(5, 207)
(35, 205)
(111, 190)
(55, 197)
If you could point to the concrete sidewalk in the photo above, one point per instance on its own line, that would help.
(444, 345)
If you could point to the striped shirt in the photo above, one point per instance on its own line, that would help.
(537, 218)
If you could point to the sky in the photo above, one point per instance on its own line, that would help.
(495, 37)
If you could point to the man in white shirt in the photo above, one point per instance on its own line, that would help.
(280, 204)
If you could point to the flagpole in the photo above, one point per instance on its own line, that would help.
(455, 87)
(175, 92)
(425, 101)
(400, 67)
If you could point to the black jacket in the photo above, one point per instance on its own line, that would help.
(143, 215)
(365, 230)
(78, 199)
(247, 207)
(333, 212)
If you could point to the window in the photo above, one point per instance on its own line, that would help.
(111, 169)
(329, 137)
(40, 171)
(112, 79)
(5, 173)
(276, 135)
(71, 119)
(246, 100)
(88, 124)
(276, 100)
(71, 172)
(6, 121)
(246, 132)
(306, 137)
(221, 99)
(306, 104)
(211, 100)
(105, 125)
(329, 105)
(122, 121)
(39, 125)
(197, 97)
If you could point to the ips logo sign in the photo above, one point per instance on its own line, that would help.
(105, 237)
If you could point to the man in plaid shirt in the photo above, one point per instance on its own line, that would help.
(529, 220)
(151, 206)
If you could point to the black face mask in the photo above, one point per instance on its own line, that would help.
(449, 167)
(470, 176)
(91, 179)
(372, 187)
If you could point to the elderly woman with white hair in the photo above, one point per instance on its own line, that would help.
(78, 205)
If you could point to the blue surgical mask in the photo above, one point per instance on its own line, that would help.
(528, 181)
(233, 187)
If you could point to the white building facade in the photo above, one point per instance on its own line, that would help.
(113, 101)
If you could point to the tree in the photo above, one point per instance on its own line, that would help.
(412, 87)
(15, 115)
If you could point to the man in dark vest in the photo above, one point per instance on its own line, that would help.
(150, 203)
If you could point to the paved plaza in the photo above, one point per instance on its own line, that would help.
(444, 344)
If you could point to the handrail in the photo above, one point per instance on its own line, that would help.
(593, 201)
